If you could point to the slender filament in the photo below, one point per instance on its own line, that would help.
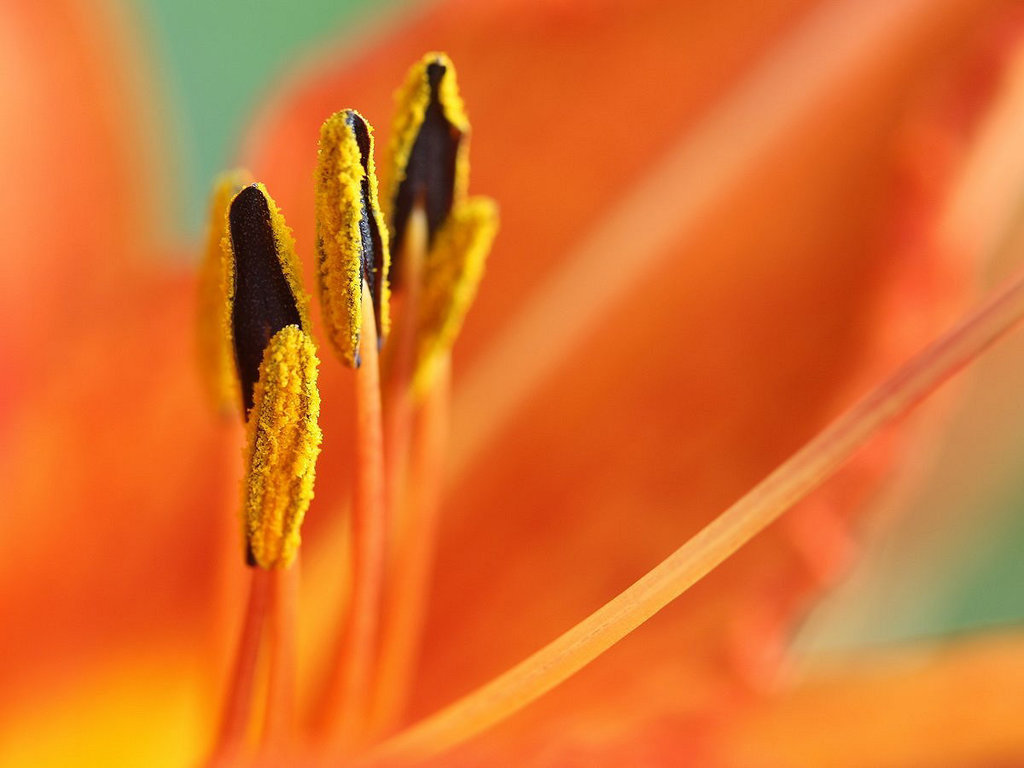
(348, 697)
(399, 360)
(406, 598)
(281, 642)
(238, 703)
(794, 479)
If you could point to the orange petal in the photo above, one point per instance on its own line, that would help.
(113, 474)
(137, 709)
(72, 151)
(115, 489)
(953, 704)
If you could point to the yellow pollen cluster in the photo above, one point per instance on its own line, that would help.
(455, 266)
(283, 442)
(217, 358)
(340, 207)
(411, 102)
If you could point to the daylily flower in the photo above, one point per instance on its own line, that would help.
(720, 224)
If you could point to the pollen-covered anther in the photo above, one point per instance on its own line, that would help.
(283, 442)
(261, 272)
(452, 276)
(217, 358)
(352, 241)
(429, 151)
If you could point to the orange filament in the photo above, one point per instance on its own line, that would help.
(925, 684)
(349, 686)
(279, 714)
(405, 606)
(794, 479)
(400, 360)
(238, 703)
(399, 363)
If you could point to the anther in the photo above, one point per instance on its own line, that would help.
(454, 269)
(352, 241)
(429, 149)
(263, 282)
(283, 443)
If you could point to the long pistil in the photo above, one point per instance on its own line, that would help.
(794, 479)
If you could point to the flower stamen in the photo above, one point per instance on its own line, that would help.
(451, 278)
(353, 267)
(283, 442)
(263, 278)
(429, 149)
(352, 241)
(266, 323)
(442, 240)
(344, 710)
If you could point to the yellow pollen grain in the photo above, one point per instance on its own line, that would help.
(339, 211)
(454, 268)
(283, 442)
(217, 358)
(411, 102)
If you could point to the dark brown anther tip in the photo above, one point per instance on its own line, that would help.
(431, 170)
(263, 301)
(371, 258)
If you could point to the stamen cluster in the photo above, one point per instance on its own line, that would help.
(259, 354)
